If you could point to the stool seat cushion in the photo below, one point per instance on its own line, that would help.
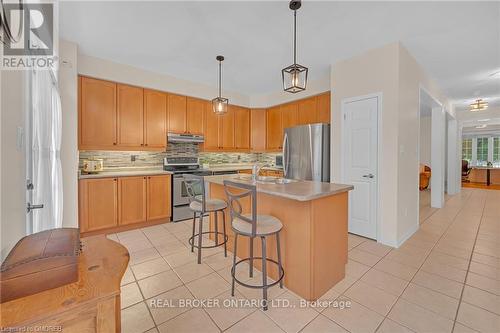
(211, 205)
(266, 225)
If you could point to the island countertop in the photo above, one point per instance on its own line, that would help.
(300, 190)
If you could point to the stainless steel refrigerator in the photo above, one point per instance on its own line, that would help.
(306, 152)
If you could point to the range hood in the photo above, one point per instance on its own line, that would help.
(194, 138)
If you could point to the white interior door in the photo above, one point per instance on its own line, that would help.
(360, 163)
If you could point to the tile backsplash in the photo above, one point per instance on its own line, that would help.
(123, 159)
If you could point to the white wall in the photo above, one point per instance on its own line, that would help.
(68, 88)
(13, 172)
(425, 140)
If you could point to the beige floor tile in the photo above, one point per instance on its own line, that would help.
(128, 277)
(256, 294)
(407, 258)
(181, 258)
(484, 283)
(482, 299)
(113, 237)
(148, 268)
(363, 257)
(171, 247)
(193, 271)
(231, 309)
(218, 261)
(373, 298)
(143, 255)
(487, 260)
(241, 273)
(354, 240)
(485, 270)
(438, 283)
(419, 319)
(355, 318)
(446, 271)
(136, 319)
(389, 326)
(340, 287)
(153, 330)
(322, 324)
(445, 259)
(477, 318)
(195, 320)
(439, 303)
(208, 286)
(395, 268)
(374, 248)
(257, 322)
(459, 328)
(385, 281)
(355, 269)
(293, 318)
(168, 305)
(130, 294)
(159, 283)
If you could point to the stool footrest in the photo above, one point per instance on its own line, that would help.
(190, 240)
(233, 269)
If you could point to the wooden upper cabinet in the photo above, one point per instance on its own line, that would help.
(274, 128)
(97, 116)
(98, 204)
(308, 113)
(155, 119)
(241, 128)
(212, 129)
(258, 130)
(177, 113)
(324, 108)
(130, 116)
(289, 114)
(131, 200)
(195, 114)
(227, 130)
(159, 197)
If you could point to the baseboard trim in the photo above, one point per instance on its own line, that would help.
(408, 235)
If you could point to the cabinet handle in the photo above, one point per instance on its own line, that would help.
(115, 179)
(146, 144)
(114, 143)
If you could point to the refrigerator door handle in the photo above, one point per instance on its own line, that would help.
(285, 155)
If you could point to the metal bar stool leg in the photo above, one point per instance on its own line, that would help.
(233, 270)
(264, 272)
(251, 257)
(194, 227)
(224, 232)
(200, 236)
(216, 213)
(278, 248)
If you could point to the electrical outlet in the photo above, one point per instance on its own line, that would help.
(133, 158)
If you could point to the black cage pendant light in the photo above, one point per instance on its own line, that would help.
(220, 103)
(295, 75)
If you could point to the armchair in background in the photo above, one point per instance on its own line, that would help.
(465, 171)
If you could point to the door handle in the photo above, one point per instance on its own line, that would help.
(31, 207)
(369, 176)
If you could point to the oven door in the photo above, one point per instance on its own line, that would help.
(181, 196)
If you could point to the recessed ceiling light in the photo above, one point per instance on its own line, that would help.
(481, 126)
(483, 119)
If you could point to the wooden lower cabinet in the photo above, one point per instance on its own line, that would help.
(113, 204)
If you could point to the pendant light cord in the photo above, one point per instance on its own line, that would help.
(220, 79)
(295, 36)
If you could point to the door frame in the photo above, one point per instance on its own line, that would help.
(343, 150)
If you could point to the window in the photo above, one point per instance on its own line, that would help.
(467, 149)
(482, 151)
(496, 151)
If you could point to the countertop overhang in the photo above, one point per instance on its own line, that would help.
(300, 190)
(125, 172)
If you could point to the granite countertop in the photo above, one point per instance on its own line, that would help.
(124, 172)
(238, 166)
(301, 190)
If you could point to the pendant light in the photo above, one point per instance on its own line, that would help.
(220, 103)
(478, 105)
(294, 76)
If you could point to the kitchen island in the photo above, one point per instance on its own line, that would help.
(314, 234)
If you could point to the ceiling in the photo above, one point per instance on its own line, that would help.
(457, 43)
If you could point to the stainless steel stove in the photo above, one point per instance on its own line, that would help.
(180, 166)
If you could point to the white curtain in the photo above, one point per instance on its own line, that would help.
(46, 148)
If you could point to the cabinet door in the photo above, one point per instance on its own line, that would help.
(176, 113)
(212, 129)
(155, 119)
(131, 200)
(242, 128)
(130, 116)
(289, 115)
(195, 115)
(227, 123)
(308, 113)
(98, 203)
(274, 128)
(258, 130)
(159, 197)
(97, 116)
(324, 108)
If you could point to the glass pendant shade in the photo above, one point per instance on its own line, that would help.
(478, 105)
(294, 78)
(220, 105)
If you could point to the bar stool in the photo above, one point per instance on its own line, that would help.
(252, 225)
(199, 204)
